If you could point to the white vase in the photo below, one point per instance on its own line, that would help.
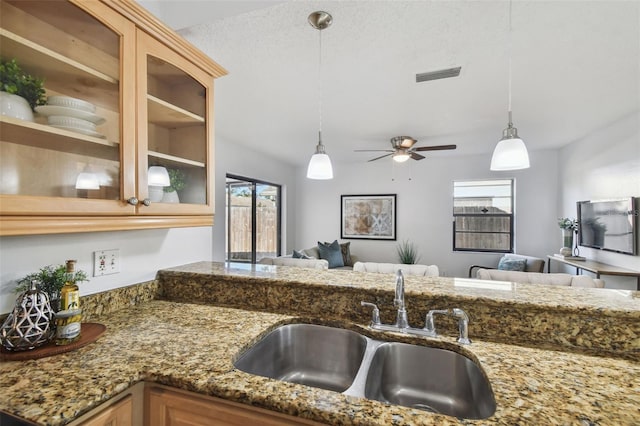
(170, 197)
(15, 106)
(156, 193)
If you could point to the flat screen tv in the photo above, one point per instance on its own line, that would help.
(609, 225)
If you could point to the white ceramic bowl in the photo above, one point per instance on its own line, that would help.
(69, 102)
(71, 122)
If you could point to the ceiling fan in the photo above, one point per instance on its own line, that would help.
(403, 149)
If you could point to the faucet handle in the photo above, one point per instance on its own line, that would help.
(375, 313)
(463, 326)
(429, 324)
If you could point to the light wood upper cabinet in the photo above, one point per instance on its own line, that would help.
(153, 98)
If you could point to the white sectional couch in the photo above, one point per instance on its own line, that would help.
(539, 278)
(392, 268)
(290, 261)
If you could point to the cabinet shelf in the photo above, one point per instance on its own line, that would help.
(168, 115)
(47, 137)
(61, 72)
(173, 160)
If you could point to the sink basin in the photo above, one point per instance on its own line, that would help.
(427, 378)
(339, 360)
(312, 355)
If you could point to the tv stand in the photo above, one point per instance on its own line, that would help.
(595, 267)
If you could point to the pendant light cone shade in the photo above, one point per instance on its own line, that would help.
(320, 164)
(87, 181)
(510, 153)
(158, 176)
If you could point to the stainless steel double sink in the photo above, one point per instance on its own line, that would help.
(340, 360)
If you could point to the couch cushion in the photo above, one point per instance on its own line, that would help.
(507, 264)
(290, 261)
(392, 268)
(312, 252)
(331, 253)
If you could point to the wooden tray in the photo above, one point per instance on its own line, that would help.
(90, 332)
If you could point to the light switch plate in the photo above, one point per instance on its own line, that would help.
(106, 262)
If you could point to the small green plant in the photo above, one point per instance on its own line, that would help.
(51, 279)
(176, 180)
(566, 223)
(17, 82)
(407, 253)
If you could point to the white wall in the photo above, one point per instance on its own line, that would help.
(142, 253)
(424, 200)
(236, 159)
(604, 164)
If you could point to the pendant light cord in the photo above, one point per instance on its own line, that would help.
(509, 43)
(320, 86)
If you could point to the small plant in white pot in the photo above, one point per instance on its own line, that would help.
(20, 93)
(407, 253)
(177, 183)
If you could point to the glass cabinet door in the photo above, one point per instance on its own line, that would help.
(76, 154)
(174, 152)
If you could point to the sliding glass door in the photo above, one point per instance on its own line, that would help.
(252, 219)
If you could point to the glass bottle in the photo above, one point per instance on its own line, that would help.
(68, 319)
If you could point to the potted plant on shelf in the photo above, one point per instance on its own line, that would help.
(568, 226)
(176, 183)
(50, 280)
(407, 253)
(20, 92)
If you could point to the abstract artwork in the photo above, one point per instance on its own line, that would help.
(371, 217)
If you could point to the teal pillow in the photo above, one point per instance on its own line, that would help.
(346, 253)
(331, 253)
(299, 255)
(512, 264)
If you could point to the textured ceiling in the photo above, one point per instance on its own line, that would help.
(576, 70)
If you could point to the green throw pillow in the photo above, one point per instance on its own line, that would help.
(331, 253)
(512, 264)
(346, 253)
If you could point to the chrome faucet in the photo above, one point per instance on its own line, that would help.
(401, 318)
(463, 326)
(429, 323)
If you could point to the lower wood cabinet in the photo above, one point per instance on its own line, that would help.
(149, 404)
(174, 407)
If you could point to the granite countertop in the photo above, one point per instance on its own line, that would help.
(193, 347)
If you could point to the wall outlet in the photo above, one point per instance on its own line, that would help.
(106, 262)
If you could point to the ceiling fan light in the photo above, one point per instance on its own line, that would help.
(401, 157)
(510, 154)
(320, 167)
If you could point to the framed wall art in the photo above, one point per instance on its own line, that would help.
(368, 217)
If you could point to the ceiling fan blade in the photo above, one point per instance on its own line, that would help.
(417, 156)
(377, 158)
(373, 150)
(434, 148)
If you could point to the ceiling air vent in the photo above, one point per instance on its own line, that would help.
(435, 75)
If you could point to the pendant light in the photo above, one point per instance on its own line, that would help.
(510, 153)
(320, 163)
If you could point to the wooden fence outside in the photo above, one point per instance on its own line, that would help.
(266, 232)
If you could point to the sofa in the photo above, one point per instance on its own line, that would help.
(392, 268)
(291, 261)
(540, 278)
(313, 259)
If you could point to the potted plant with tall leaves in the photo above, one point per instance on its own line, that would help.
(20, 92)
(407, 253)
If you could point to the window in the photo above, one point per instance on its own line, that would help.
(483, 215)
(252, 219)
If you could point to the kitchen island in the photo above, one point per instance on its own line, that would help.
(193, 346)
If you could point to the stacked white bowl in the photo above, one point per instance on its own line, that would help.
(72, 114)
